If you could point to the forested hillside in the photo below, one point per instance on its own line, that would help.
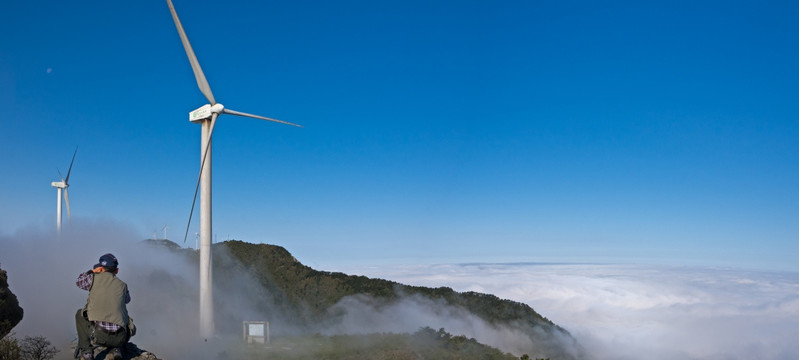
(308, 289)
(425, 343)
(301, 298)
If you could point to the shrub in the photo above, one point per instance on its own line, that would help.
(37, 348)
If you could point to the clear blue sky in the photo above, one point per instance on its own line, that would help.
(435, 131)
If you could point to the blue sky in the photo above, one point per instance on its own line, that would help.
(434, 131)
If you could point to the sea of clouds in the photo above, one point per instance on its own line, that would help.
(639, 311)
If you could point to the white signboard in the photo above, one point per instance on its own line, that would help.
(256, 329)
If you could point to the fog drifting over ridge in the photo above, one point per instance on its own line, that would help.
(639, 311)
(42, 271)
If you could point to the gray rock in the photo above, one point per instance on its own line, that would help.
(131, 352)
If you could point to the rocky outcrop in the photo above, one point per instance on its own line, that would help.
(10, 311)
(131, 352)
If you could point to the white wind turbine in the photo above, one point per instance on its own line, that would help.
(206, 115)
(62, 186)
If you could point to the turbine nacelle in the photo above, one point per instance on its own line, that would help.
(204, 112)
(59, 184)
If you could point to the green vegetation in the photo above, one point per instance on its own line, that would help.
(9, 347)
(424, 344)
(314, 292)
(29, 348)
(299, 297)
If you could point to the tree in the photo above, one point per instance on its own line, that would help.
(37, 348)
(9, 347)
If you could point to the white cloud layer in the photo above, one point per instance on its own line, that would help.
(640, 312)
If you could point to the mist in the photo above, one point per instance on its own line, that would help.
(640, 311)
(361, 314)
(42, 270)
(164, 297)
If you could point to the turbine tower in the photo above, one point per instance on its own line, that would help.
(62, 186)
(206, 116)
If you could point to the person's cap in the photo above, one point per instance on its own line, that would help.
(108, 261)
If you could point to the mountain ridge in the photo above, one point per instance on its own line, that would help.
(307, 297)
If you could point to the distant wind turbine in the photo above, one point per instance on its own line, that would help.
(63, 185)
(206, 115)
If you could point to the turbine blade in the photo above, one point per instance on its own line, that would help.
(234, 112)
(59, 174)
(202, 83)
(66, 200)
(200, 176)
(66, 181)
